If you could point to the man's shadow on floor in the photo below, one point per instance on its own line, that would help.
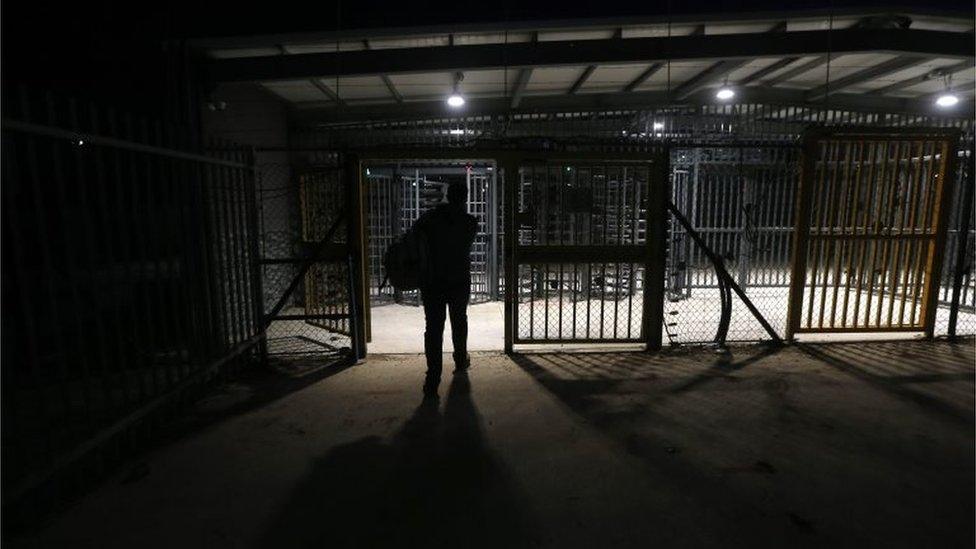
(436, 484)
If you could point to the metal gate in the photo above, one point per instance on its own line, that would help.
(870, 230)
(588, 250)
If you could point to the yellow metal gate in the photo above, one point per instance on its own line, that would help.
(870, 230)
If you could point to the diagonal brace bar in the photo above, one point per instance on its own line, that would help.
(319, 250)
(722, 273)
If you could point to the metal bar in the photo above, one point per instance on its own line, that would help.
(523, 341)
(939, 217)
(520, 85)
(150, 260)
(762, 73)
(91, 252)
(822, 206)
(961, 267)
(76, 136)
(915, 187)
(510, 180)
(82, 348)
(875, 206)
(300, 276)
(840, 224)
(925, 230)
(889, 221)
(883, 69)
(587, 52)
(804, 192)
(831, 207)
(656, 226)
(909, 82)
(353, 185)
(316, 316)
(723, 273)
(16, 225)
(582, 79)
(850, 330)
(898, 218)
(865, 208)
(100, 187)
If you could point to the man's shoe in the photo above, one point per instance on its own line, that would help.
(432, 381)
(462, 363)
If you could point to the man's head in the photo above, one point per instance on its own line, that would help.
(457, 194)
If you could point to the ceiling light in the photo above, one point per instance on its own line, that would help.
(725, 93)
(947, 100)
(455, 101)
(659, 125)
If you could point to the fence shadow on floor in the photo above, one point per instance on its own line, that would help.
(436, 484)
(922, 373)
(764, 449)
(582, 379)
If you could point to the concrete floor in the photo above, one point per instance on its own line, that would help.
(400, 328)
(858, 445)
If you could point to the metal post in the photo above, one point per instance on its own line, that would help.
(257, 286)
(746, 222)
(658, 197)
(962, 243)
(353, 183)
(492, 208)
(950, 146)
(801, 233)
(510, 179)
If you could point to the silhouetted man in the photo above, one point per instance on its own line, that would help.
(449, 231)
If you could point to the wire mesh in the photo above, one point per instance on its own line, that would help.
(296, 210)
(740, 200)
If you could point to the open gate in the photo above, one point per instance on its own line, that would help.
(870, 230)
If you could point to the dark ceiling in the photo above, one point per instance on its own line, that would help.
(111, 49)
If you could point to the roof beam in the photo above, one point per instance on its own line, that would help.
(750, 17)
(434, 107)
(909, 82)
(591, 52)
(520, 84)
(870, 73)
(588, 71)
(706, 77)
(581, 80)
(327, 91)
(386, 79)
(642, 77)
(765, 71)
(798, 70)
(716, 72)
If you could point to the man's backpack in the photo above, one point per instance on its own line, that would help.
(406, 261)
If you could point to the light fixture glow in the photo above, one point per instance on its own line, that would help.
(457, 131)
(947, 100)
(725, 93)
(659, 125)
(455, 101)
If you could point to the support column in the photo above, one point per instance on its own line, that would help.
(658, 195)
